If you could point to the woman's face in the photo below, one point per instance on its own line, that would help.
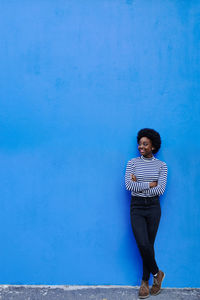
(145, 147)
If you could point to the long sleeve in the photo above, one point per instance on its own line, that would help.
(133, 185)
(162, 180)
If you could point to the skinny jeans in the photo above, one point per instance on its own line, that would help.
(145, 215)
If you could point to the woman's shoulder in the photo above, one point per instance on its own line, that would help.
(134, 159)
(138, 159)
(161, 162)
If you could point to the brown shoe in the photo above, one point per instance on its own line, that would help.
(144, 290)
(156, 287)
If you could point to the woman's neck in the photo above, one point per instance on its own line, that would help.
(147, 158)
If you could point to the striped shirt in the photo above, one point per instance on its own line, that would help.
(146, 170)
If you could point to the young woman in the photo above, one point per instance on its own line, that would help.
(146, 178)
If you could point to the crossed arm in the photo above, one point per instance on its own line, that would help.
(151, 188)
(151, 184)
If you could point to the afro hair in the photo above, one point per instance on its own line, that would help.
(151, 134)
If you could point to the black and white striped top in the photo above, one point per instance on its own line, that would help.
(146, 170)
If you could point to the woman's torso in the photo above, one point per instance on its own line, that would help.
(145, 170)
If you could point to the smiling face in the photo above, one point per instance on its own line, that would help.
(145, 147)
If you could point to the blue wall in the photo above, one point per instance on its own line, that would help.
(78, 80)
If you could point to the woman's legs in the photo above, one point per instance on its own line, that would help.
(153, 220)
(145, 223)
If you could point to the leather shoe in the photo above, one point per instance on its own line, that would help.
(144, 290)
(156, 287)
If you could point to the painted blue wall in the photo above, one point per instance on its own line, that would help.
(78, 80)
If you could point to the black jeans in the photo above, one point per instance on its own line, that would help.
(145, 217)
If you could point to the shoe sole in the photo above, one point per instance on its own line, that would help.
(160, 287)
(143, 297)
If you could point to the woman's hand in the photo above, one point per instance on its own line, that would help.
(153, 184)
(133, 177)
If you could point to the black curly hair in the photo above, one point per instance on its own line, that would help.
(151, 134)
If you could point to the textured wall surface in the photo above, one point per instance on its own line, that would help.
(78, 80)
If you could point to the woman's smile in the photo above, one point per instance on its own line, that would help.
(145, 147)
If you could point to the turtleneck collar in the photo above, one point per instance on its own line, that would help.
(147, 159)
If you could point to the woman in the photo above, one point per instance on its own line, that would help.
(146, 178)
